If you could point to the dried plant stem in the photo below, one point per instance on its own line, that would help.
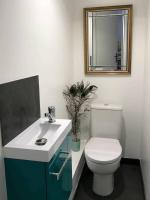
(77, 97)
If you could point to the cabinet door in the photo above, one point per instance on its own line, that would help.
(25, 180)
(59, 174)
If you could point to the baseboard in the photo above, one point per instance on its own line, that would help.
(130, 161)
(142, 181)
(77, 177)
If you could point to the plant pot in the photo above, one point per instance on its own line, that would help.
(76, 145)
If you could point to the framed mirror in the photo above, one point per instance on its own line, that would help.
(107, 39)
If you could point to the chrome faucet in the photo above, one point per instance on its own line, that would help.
(51, 114)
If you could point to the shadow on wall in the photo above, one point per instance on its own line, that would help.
(123, 136)
(85, 127)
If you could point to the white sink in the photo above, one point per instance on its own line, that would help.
(24, 147)
(44, 130)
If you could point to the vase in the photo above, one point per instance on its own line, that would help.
(76, 142)
(76, 145)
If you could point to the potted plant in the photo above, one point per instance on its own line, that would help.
(78, 97)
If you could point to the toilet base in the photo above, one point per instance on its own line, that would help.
(103, 184)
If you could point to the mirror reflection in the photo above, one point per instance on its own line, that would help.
(107, 44)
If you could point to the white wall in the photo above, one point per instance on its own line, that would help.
(145, 147)
(35, 38)
(125, 90)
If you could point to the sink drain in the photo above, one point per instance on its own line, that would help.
(41, 141)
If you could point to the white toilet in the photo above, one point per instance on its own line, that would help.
(103, 151)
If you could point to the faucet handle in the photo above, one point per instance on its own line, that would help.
(51, 110)
(51, 114)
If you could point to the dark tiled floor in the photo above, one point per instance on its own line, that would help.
(128, 185)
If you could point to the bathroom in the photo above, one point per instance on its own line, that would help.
(45, 38)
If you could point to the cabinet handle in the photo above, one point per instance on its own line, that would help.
(58, 175)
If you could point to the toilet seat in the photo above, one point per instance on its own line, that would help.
(103, 150)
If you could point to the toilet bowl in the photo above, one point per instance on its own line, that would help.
(103, 157)
(103, 151)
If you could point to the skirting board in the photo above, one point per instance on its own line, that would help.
(130, 161)
(77, 176)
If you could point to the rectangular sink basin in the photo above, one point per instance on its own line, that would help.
(45, 129)
(24, 145)
(37, 131)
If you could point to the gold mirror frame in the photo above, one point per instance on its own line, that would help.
(129, 41)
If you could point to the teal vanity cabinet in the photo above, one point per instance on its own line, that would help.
(59, 175)
(25, 180)
(32, 180)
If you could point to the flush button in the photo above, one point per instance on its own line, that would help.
(106, 104)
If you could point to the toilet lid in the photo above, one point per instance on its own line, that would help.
(103, 150)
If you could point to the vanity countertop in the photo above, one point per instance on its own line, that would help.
(23, 146)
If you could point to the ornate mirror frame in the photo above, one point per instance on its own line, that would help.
(129, 39)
